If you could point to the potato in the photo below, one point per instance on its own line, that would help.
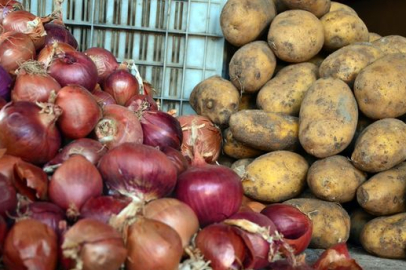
(373, 37)
(240, 165)
(318, 8)
(327, 118)
(215, 98)
(252, 66)
(348, 61)
(358, 219)
(391, 44)
(243, 21)
(275, 177)
(342, 28)
(386, 236)
(331, 223)
(381, 146)
(385, 192)
(295, 36)
(265, 131)
(334, 179)
(284, 93)
(236, 149)
(334, 6)
(380, 88)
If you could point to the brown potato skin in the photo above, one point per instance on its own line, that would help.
(391, 44)
(385, 192)
(265, 130)
(358, 218)
(380, 88)
(252, 66)
(215, 98)
(334, 179)
(386, 236)
(284, 93)
(295, 36)
(318, 8)
(334, 6)
(243, 21)
(373, 37)
(331, 223)
(328, 118)
(236, 149)
(381, 146)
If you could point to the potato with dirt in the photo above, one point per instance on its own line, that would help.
(215, 98)
(252, 66)
(318, 8)
(391, 44)
(296, 36)
(284, 93)
(359, 217)
(328, 118)
(236, 149)
(275, 177)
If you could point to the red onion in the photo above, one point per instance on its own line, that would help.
(3, 233)
(57, 32)
(176, 214)
(30, 244)
(140, 103)
(27, 23)
(200, 132)
(152, 244)
(7, 163)
(104, 60)
(176, 157)
(2, 103)
(91, 149)
(94, 245)
(29, 132)
(8, 198)
(15, 48)
(335, 258)
(221, 246)
(118, 125)
(47, 54)
(103, 98)
(5, 84)
(121, 85)
(30, 181)
(73, 183)
(81, 112)
(33, 83)
(149, 90)
(161, 129)
(103, 207)
(74, 68)
(8, 6)
(295, 226)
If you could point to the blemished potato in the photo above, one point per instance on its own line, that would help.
(391, 44)
(265, 131)
(381, 146)
(386, 236)
(318, 8)
(295, 36)
(358, 219)
(342, 28)
(334, 179)
(385, 192)
(215, 98)
(252, 66)
(284, 93)
(328, 118)
(380, 88)
(243, 21)
(348, 61)
(240, 166)
(331, 223)
(275, 177)
(236, 149)
(373, 36)
(334, 6)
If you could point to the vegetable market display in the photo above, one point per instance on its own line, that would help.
(93, 175)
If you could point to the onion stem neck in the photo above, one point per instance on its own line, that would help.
(105, 130)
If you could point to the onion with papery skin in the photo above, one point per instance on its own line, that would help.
(15, 48)
(295, 226)
(336, 257)
(176, 214)
(30, 181)
(94, 245)
(46, 55)
(104, 60)
(176, 157)
(27, 23)
(161, 129)
(118, 125)
(8, 198)
(8, 6)
(30, 244)
(139, 103)
(59, 33)
(33, 83)
(29, 132)
(121, 85)
(102, 208)
(5, 85)
(81, 112)
(207, 137)
(103, 98)
(73, 183)
(152, 244)
(7, 163)
(220, 245)
(74, 68)
(149, 90)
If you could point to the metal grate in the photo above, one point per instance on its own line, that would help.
(174, 43)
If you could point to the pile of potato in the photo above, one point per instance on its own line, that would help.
(311, 115)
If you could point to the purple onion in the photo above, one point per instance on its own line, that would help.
(5, 84)
(8, 198)
(176, 157)
(140, 103)
(104, 207)
(56, 32)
